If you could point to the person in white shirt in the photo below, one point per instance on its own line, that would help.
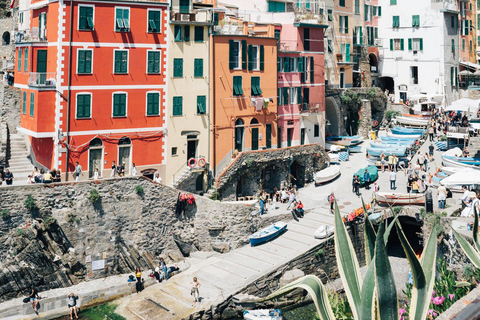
(284, 196)
(393, 179)
(469, 210)
(134, 170)
(442, 196)
(465, 198)
(95, 175)
(157, 178)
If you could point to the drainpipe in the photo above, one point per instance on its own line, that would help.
(67, 133)
(209, 101)
(213, 111)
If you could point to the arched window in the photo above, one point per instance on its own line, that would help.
(96, 143)
(95, 154)
(125, 141)
(239, 131)
(6, 38)
(254, 122)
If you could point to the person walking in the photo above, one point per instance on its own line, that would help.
(194, 292)
(390, 162)
(357, 185)
(78, 171)
(395, 163)
(331, 200)
(262, 200)
(366, 179)
(442, 196)
(431, 149)
(393, 179)
(415, 186)
(431, 132)
(425, 162)
(72, 305)
(8, 177)
(382, 161)
(114, 170)
(134, 170)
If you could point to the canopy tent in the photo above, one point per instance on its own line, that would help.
(462, 178)
(465, 105)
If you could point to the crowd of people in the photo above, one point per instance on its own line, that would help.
(286, 195)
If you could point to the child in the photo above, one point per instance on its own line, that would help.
(95, 174)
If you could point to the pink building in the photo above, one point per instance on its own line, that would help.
(372, 13)
(301, 84)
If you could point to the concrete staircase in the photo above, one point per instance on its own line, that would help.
(19, 162)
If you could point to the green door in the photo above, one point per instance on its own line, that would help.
(269, 135)
(41, 66)
(254, 138)
(289, 137)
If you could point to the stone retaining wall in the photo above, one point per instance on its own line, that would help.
(3, 145)
(10, 102)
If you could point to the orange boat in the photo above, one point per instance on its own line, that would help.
(423, 116)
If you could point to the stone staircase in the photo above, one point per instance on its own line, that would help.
(19, 162)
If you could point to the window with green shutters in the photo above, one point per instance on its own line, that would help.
(415, 44)
(216, 18)
(177, 33)
(24, 103)
(184, 6)
(393, 2)
(19, 60)
(153, 104)
(276, 6)
(85, 17)
(234, 54)
(177, 68)
(357, 6)
(122, 19)
(119, 104)
(341, 3)
(415, 21)
(198, 68)
(463, 44)
(186, 33)
(84, 102)
(84, 64)
(199, 33)
(268, 134)
(256, 90)
(396, 22)
(121, 61)
(154, 21)
(25, 60)
(453, 45)
(177, 106)
(153, 63)
(237, 86)
(32, 104)
(201, 104)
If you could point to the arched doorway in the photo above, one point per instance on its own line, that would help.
(373, 61)
(239, 132)
(333, 116)
(95, 155)
(387, 83)
(6, 38)
(124, 153)
(297, 171)
(254, 124)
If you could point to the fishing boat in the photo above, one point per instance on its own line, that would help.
(372, 170)
(324, 231)
(398, 151)
(453, 163)
(354, 149)
(333, 147)
(410, 136)
(412, 121)
(452, 170)
(344, 140)
(412, 140)
(457, 180)
(403, 130)
(334, 157)
(464, 160)
(326, 175)
(267, 233)
(390, 144)
(263, 314)
(416, 116)
(444, 146)
(393, 198)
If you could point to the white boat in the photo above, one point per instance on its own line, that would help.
(457, 180)
(334, 157)
(327, 174)
(400, 198)
(263, 314)
(323, 232)
(412, 121)
(344, 142)
(453, 163)
(453, 170)
(333, 147)
(411, 136)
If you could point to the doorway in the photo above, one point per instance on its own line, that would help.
(254, 122)
(239, 130)
(199, 183)
(403, 96)
(302, 136)
(192, 144)
(124, 153)
(41, 66)
(289, 136)
(342, 78)
(95, 153)
(297, 171)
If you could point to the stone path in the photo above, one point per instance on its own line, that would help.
(19, 163)
(223, 275)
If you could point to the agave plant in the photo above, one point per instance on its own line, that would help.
(375, 296)
(472, 252)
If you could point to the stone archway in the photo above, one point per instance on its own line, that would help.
(333, 115)
(297, 170)
(373, 61)
(6, 38)
(387, 83)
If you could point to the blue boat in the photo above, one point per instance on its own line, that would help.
(403, 130)
(267, 233)
(378, 145)
(398, 151)
(443, 146)
(397, 139)
(354, 149)
(394, 143)
(465, 160)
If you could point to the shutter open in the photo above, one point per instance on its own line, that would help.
(262, 58)
(231, 62)
(250, 57)
(244, 54)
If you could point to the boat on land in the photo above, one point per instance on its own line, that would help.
(380, 145)
(412, 121)
(417, 116)
(454, 163)
(344, 140)
(398, 151)
(268, 233)
(324, 231)
(334, 157)
(326, 175)
(464, 160)
(451, 170)
(457, 180)
(263, 314)
(394, 198)
(333, 147)
(410, 136)
(403, 130)
(412, 140)
(372, 170)
(354, 149)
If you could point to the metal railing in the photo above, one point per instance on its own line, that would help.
(31, 35)
(42, 79)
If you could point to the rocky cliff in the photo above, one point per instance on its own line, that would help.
(56, 236)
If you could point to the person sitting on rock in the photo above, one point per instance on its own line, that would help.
(34, 299)
(72, 304)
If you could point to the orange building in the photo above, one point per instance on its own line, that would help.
(93, 84)
(243, 70)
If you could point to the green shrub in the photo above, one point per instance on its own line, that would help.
(48, 222)
(139, 189)
(215, 195)
(319, 254)
(70, 217)
(390, 114)
(94, 196)
(30, 204)
(20, 232)
(5, 214)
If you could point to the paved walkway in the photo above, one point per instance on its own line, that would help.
(223, 275)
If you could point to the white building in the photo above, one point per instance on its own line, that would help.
(420, 48)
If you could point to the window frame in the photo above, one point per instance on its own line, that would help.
(200, 113)
(93, 17)
(148, 21)
(195, 60)
(76, 105)
(173, 106)
(159, 61)
(173, 74)
(146, 103)
(32, 104)
(126, 103)
(91, 63)
(128, 61)
(195, 34)
(412, 74)
(239, 57)
(19, 59)
(256, 58)
(115, 20)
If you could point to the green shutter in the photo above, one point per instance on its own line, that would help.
(237, 86)
(177, 68)
(393, 2)
(24, 107)
(32, 104)
(85, 61)
(231, 56)
(83, 105)
(19, 60)
(365, 10)
(88, 61)
(86, 18)
(347, 52)
(285, 96)
(216, 16)
(402, 44)
(244, 54)
(379, 11)
(409, 44)
(201, 104)
(391, 44)
(178, 33)
(312, 68)
(154, 23)
(25, 60)
(300, 64)
(153, 99)
(186, 33)
(361, 35)
(121, 61)
(118, 19)
(286, 64)
(199, 31)
(198, 68)
(262, 58)
(126, 19)
(254, 91)
(177, 106)
(250, 57)
(119, 105)
(153, 65)
(463, 44)
(299, 95)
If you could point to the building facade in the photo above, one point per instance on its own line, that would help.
(93, 83)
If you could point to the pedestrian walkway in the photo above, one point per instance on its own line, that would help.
(19, 162)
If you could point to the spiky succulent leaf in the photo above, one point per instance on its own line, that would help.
(428, 263)
(469, 250)
(476, 240)
(368, 293)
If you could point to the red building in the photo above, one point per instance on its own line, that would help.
(93, 84)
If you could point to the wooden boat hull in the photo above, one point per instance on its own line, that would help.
(411, 121)
(327, 174)
(268, 233)
(393, 198)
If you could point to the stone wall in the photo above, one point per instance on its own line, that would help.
(10, 101)
(267, 169)
(3, 145)
(126, 227)
(365, 125)
(7, 50)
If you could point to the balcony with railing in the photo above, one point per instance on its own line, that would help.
(310, 11)
(31, 35)
(200, 16)
(312, 107)
(445, 5)
(42, 79)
